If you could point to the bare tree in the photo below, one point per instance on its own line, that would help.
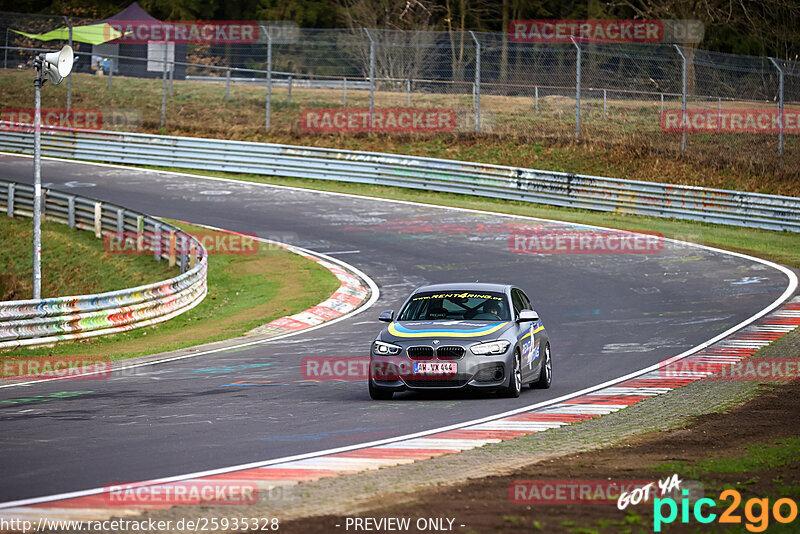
(401, 30)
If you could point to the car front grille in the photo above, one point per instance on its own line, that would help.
(450, 353)
(420, 353)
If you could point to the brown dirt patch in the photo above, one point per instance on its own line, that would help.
(483, 505)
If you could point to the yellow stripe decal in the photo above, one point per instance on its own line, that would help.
(449, 333)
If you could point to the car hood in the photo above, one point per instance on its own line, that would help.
(407, 330)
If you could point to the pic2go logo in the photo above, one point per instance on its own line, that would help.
(756, 511)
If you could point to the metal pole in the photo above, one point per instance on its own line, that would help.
(227, 84)
(69, 78)
(344, 92)
(289, 91)
(408, 92)
(269, 78)
(536, 99)
(780, 106)
(662, 103)
(371, 77)
(110, 71)
(604, 103)
(5, 58)
(171, 74)
(683, 100)
(164, 88)
(37, 181)
(477, 82)
(577, 90)
(719, 113)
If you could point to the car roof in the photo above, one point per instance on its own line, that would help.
(472, 286)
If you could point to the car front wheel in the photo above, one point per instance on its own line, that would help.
(515, 380)
(377, 393)
(545, 372)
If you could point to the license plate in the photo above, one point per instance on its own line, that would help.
(435, 368)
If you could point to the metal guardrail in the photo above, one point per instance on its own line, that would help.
(31, 322)
(494, 181)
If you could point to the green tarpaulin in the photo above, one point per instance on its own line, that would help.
(93, 34)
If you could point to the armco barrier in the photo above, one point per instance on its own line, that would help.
(494, 181)
(31, 322)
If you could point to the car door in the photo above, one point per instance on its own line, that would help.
(537, 333)
(525, 335)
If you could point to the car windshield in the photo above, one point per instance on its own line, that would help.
(456, 305)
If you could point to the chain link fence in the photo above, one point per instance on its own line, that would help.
(601, 93)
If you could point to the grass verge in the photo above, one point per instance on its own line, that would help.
(626, 141)
(244, 291)
(73, 263)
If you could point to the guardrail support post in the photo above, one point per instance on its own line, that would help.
(227, 84)
(139, 233)
(683, 97)
(157, 241)
(10, 206)
(780, 106)
(371, 77)
(182, 253)
(289, 91)
(477, 82)
(120, 222)
(172, 248)
(71, 212)
(577, 90)
(192, 253)
(98, 220)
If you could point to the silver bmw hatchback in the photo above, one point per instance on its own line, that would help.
(454, 336)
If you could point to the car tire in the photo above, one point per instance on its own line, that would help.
(545, 371)
(515, 380)
(377, 393)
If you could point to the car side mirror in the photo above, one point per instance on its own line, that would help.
(526, 316)
(386, 316)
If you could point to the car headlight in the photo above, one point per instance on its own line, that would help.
(490, 347)
(385, 349)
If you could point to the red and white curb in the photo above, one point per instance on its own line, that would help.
(612, 398)
(351, 294)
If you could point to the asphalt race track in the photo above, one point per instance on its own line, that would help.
(607, 315)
